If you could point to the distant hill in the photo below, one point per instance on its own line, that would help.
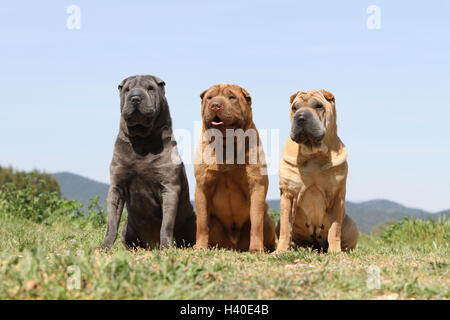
(444, 213)
(76, 187)
(366, 214)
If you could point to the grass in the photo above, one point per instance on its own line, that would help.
(40, 260)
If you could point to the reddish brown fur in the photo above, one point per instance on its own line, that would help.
(230, 198)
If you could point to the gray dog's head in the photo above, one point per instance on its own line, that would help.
(141, 101)
(311, 113)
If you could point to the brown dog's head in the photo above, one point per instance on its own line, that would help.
(226, 106)
(312, 115)
(141, 101)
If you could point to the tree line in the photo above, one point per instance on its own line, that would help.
(42, 182)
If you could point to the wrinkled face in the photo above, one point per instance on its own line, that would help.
(311, 112)
(141, 100)
(226, 106)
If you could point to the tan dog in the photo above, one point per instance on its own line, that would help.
(231, 189)
(313, 174)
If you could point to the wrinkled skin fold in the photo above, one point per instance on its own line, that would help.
(230, 197)
(313, 175)
(146, 172)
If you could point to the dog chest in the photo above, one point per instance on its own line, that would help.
(230, 199)
(143, 196)
(313, 205)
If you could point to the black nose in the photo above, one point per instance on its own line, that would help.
(301, 117)
(135, 99)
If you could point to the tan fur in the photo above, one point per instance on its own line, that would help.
(230, 198)
(313, 184)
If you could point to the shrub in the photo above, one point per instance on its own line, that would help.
(96, 215)
(274, 215)
(29, 202)
(43, 182)
(411, 230)
(379, 228)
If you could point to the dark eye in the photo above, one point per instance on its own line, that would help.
(208, 98)
(294, 108)
(127, 89)
(150, 88)
(231, 97)
(318, 106)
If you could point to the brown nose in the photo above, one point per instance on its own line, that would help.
(215, 106)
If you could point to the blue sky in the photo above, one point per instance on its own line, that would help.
(60, 105)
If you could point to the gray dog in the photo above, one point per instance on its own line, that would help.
(147, 173)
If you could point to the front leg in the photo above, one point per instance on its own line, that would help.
(287, 217)
(202, 237)
(257, 210)
(115, 205)
(337, 216)
(169, 211)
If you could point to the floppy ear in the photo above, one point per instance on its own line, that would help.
(159, 81)
(203, 94)
(123, 83)
(160, 84)
(328, 95)
(293, 97)
(247, 96)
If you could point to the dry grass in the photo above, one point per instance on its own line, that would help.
(413, 258)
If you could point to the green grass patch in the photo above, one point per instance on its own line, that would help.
(51, 256)
(37, 261)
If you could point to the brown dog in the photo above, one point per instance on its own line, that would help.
(313, 174)
(231, 191)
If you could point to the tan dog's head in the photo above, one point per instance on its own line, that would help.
(226, 106)
(313, 115)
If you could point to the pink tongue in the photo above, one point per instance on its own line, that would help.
(214, 123)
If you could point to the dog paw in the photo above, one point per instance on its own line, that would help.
(199, 246)
(166, 244)
(334, 250)
(334, 247)
(256, 248)
(278, 252)
(100, 249)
